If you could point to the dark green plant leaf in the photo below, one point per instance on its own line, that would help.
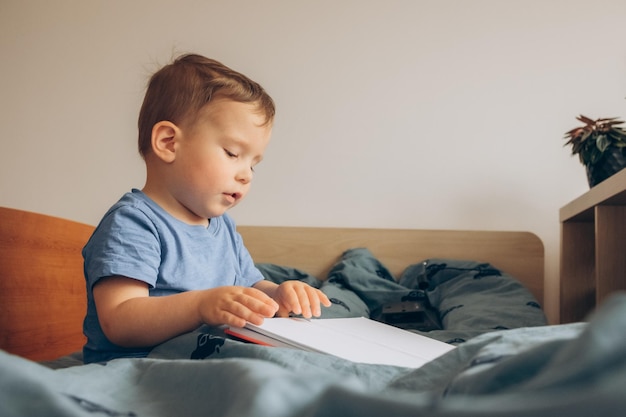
(595, 137)
(594, 155)
(602, 142)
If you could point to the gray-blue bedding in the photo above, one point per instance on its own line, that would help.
(508, 361)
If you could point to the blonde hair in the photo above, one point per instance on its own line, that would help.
(178, 91)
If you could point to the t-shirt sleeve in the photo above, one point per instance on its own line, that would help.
(125, 243)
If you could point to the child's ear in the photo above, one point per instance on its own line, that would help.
(164, 137)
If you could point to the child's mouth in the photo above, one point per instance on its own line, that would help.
(233, 197)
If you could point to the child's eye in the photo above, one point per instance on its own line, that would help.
(229, 153)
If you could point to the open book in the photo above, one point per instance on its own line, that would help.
(358, 339)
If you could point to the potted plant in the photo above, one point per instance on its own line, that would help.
(601, 146)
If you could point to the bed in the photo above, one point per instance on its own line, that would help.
(487, 287)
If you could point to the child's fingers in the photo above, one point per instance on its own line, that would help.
(316, 299)
(324, 299)
(236, 305)
(282, 312)
(258, 302)
(260, 296)
(301, 299)
(308, 301)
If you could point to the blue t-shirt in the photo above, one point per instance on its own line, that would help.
(138, 239)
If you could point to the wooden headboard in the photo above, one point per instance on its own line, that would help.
(316, 249)
(42, 290)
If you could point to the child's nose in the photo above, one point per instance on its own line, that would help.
(244, 175)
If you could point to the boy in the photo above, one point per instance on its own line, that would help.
(167, 259)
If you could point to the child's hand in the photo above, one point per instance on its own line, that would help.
(234, 305)
(299, 298)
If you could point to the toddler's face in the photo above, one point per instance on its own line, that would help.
(215, 158)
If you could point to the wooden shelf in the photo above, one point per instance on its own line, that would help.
(593, 255)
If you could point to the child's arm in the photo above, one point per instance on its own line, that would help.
(295, 297)
(129, 317)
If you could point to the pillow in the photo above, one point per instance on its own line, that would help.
(471, 298)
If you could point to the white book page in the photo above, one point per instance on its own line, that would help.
(357, 339)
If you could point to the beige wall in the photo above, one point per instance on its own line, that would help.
(418, 114)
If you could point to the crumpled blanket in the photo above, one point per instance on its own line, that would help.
(576, 370)
(526, 371)
(472, 298)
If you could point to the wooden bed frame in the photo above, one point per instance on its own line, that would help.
(42, 289)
